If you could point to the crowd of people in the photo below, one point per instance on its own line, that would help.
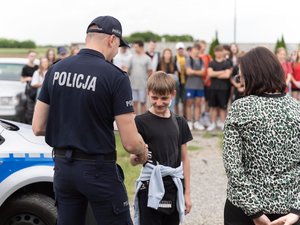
(33, 75)
(205, 86)
(83, 95)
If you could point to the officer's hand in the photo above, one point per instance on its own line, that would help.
(142, 157)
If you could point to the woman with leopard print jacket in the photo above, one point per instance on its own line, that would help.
(262, 147)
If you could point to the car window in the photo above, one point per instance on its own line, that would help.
(10, 71)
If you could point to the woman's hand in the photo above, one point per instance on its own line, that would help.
(262, 220)
(288, 219)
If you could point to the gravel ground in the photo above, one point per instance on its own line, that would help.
(208, 181)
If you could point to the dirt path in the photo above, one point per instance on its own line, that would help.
(208, 181)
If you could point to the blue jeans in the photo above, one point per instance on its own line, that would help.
(100, 183)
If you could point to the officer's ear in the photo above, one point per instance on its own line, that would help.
(111, 40)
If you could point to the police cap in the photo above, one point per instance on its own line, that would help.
(108, 25)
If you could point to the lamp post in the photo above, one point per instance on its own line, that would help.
(234, 23)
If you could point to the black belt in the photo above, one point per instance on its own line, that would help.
(75, 154)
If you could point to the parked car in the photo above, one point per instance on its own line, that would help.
(26, 178)
(12, 97)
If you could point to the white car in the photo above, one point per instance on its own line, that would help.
(26, 178)
(11, 89)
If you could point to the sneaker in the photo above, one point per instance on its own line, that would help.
(198, 126)
(206, 121)
(220, 125)
(212, 127)
(190, 124)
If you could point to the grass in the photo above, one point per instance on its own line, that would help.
(131, 172)
(193, 148)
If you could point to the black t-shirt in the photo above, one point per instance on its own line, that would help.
(168, 67)
(85, 92)
(28, 71)
(216, 83)
(162, 137)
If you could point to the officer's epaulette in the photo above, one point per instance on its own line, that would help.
(124, 72)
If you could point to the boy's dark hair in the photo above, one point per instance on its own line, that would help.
(262, 72)
(218, 48)
(189, 48)
(139, 43)
(161, 83)
(197, 46)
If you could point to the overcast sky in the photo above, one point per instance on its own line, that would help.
(65, 21)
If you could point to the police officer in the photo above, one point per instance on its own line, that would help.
(81, 97)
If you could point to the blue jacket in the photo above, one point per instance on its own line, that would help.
(156, 187)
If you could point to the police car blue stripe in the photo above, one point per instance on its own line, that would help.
(13, 163)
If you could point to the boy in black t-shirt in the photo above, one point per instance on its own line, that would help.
(166, 135)
(219, 71)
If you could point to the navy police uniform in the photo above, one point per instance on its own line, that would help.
(84, 93)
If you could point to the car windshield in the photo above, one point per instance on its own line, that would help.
(10, 71)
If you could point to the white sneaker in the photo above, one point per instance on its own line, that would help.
(220, 125)
(190, 124)
(212, 127)
(198, 126)
(206, 121)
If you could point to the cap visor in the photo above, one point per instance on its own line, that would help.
(124, 43)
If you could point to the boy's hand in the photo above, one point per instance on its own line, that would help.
(134, 160)
(188, 203)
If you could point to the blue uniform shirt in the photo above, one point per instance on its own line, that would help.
(85, 92)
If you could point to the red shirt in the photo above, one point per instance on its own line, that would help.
(206, 58)
(287, 69)
(296, 73)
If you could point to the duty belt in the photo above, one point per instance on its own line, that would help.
(75, 154)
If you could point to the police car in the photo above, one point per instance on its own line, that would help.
(26, 177)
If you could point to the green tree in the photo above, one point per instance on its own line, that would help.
(143, 36)
(10, 43)
(283, 42)
(277, 45)
(280, 43)
(148, 35)
(213, 44)
(177, 38)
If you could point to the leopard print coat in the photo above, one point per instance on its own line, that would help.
(262, 154)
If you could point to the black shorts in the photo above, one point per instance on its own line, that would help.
(296, 89)
(206, 93)
(180, 94)
(218, 98)
(149, 216)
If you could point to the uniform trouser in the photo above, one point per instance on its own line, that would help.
(77, 183)
(235, 216)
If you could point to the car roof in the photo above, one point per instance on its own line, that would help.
(14, 60)
(22, 61)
